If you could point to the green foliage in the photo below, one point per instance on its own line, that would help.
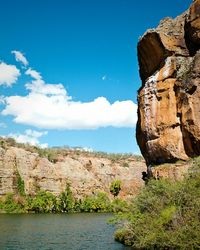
(115, 187)
(125, 165)
(20, 184)
(96, 203)
(66, 200)
(165, 215)
(119, 205)
(43, 202)
(12, 204)
(2, 144)
(117, 157)
(50, 154)
(46, 202)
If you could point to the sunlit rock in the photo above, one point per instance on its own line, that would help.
(168, 127)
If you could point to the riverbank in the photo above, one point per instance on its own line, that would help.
(46, 202)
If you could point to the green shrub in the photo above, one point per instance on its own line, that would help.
(50, 154)
(66, 200)
(20, 184)
(43, 202)
(125, 165)
(96, 203)
(12, 204)
(119, 205)
(115, 187)
(46, 202)
(165, 215)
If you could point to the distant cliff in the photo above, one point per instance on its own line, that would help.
(50, 170)
(168, 127)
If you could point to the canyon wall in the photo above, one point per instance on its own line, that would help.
(87, 173)
(168, 127)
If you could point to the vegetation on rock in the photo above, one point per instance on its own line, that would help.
(20, 184)
(52, 154)
(46, 202)
(165, 215)
(115, 187)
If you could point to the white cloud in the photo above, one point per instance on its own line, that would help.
(86, 149)
(83, 149)
(31, 137)
(33, 73)
(39, 86)
(58, 112)
(2, 99)
(19, 57)
(50, 106)
(8, 74)
(35, 134)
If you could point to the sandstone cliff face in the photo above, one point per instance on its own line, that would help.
(86, 173)
(168, 125)
(174, 172)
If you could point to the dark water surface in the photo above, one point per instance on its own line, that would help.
(57, 231)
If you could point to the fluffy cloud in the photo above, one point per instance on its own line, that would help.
(8, 74)
(33, 73)
(49, 106)
(58, 112)
(31, 137)
(39, 86)
(19, 57)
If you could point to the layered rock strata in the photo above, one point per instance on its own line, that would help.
(87, 173)
(168, 125)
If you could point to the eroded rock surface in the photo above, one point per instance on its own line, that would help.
(168, 125)
(86, 173)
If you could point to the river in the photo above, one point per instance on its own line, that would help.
(57, 231)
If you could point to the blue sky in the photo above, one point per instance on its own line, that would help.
(84, 50)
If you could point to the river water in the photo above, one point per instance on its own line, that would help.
(57, 231)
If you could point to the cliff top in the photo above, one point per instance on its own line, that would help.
(55, 154)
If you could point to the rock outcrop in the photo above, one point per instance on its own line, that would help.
(168, 127)
(86, 172)
(173, 172)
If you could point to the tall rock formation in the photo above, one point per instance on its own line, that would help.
(168, 125)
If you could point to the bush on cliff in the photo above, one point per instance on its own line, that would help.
(43, 202)
(66, 201)
(165, 215)
(119, 205)
(20, 184)
(11, 203)
(46, 202)
(115, 187)
(96, 203)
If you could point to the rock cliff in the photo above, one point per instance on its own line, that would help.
(87, 173)
(168, 125)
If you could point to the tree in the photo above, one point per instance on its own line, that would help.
(66, 200)
(115, 187)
